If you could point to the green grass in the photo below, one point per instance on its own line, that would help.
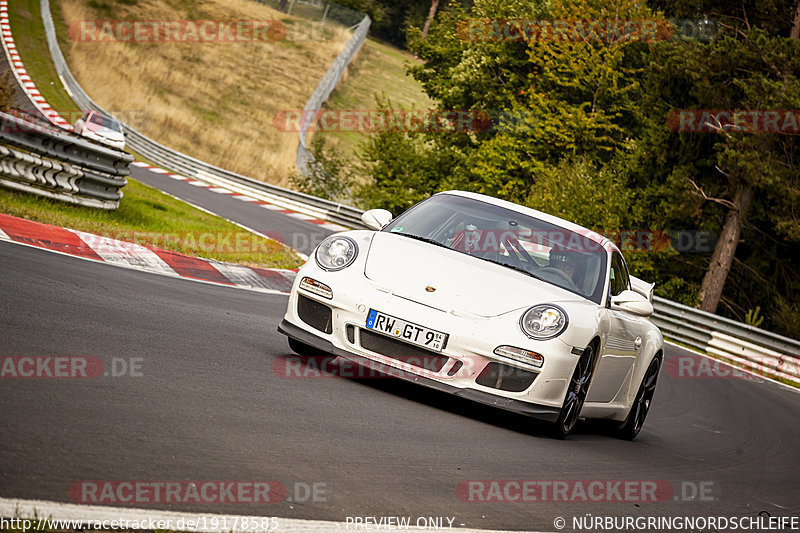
(28, 30)
(378, 72)
(151, 218)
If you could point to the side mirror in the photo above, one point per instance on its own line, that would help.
(632, 302)
(643, 288)
(376, 218)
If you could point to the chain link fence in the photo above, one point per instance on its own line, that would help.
(316, 11)
(305, 159)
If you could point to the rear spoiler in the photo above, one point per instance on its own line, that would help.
(643, 288)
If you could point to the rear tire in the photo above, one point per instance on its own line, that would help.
(301, 348)
(641, 405)
(576, 394)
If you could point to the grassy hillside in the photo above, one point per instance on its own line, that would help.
(213, 100)
(378, 72)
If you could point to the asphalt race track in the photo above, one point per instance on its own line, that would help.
(206, 404)
(298, 234)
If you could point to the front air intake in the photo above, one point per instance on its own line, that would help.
(505, 377)
(401, 351)
(318, 316)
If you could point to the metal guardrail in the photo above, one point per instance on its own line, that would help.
(692, 326)
(41, 160)
(751, 347)
(754, 357)
(305, 160)
(194, 168)
(698, 329)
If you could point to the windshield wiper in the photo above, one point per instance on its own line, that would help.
(512, 267)
(518, 269)
(437, 243)
(423, 239)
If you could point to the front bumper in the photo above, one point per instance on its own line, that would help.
(102, 139)
(541, 412)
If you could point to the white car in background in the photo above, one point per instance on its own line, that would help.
(101, 128)
(490, 301)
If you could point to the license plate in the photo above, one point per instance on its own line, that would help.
(406, 331)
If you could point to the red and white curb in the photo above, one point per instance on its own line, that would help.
(90, 515)
(246, 195)
(15, 61)
(131, 255)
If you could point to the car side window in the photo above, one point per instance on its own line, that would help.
(620, 280)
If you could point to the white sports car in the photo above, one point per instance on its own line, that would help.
(490, 301)
(101, 128)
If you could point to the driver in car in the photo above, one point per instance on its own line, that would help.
(566, 261)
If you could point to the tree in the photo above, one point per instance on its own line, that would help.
(743, 69)
(431, 14)
(391, 19)
(548, 99)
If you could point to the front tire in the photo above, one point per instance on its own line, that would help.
(641, 405)
(576, 394)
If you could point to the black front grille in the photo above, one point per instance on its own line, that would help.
(318, 316)
(505, 377)
(401, 351)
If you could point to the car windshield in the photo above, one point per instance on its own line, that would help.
(520, 242)
(106, 122)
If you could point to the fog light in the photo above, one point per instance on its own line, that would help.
(316, 287)
(518, 354)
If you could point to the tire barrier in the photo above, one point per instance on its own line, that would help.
(51, 163)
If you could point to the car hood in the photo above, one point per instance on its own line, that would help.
(463, 285)
(107, 133)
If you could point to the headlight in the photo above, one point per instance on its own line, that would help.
(336, 253)
(544, 321)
